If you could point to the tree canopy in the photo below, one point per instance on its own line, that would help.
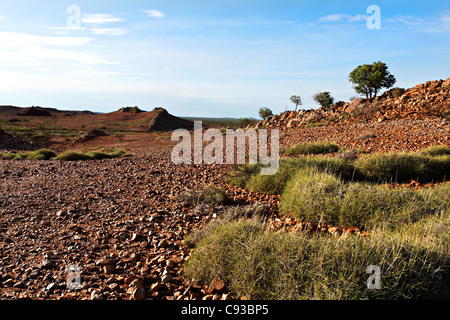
(297, 101)
(324, 99)
(370, 78)
(265, 112)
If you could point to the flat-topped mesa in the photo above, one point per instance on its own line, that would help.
(426, 100)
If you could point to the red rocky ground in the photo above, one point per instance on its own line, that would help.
(118, 222)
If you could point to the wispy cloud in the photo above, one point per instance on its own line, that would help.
(405, 19)
(93, 23)
(155, 13)
(18, 48)
(100, 18)
(342, 18)
(109, 31)
(15, 39)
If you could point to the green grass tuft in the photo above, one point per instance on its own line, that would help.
(247, 176)
(436, 151)
(312, 148)
(316, 196)
(403, 167)
(45, 154)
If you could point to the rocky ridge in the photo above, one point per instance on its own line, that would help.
(424, 101)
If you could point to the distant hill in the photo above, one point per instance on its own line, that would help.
(38, 111)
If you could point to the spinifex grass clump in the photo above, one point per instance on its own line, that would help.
(436, 151)
(42, 154)
(93, 155)
(262, 264)
(316, 196)
(247, 176)
(312, 148)
(45, 154)
(403, 167)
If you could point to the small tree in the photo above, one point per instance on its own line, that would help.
(244, 122)
(265, 112)
(297, 101)
(324, 99)
(370, 78)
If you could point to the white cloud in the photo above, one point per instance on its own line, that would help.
(19, 48)
(155, 13)
(406, 19)
(65, 30)
(100, 18)
(14, 40)
(343, 18)
(109, 31)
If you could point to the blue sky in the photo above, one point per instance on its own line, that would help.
(210, 58)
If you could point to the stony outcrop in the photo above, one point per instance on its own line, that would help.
(165, 121)
(428, 100)
(90, 135)
(36, 112)
(131, 110)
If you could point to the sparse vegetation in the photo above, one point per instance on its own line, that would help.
(324, 99)
(265, 112)
(317, 196)
(408, 233)
(436, 151)
(244, 122)
(208, 195)
(296, 100)
(44, 154)
(403, 167)
(312, 148)
(370, 78)
(378, 168)
(247, 176)
(260, 264)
